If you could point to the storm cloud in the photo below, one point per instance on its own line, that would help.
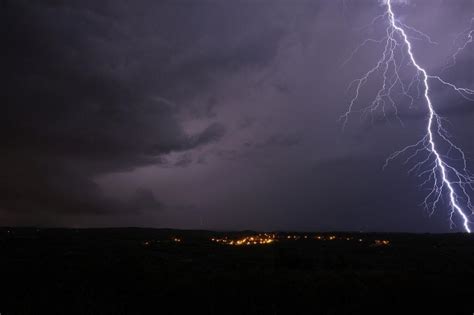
(210, 114)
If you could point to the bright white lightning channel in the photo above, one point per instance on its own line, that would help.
(445, 172)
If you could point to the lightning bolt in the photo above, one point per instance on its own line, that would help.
(465, 38)
(446, 174)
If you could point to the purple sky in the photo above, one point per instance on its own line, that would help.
(213, 115)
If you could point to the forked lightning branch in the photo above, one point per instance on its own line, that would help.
(439, 163)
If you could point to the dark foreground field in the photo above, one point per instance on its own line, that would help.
(146, 271)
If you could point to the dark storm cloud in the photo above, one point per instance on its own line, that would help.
(223, 112)
(86, 89)
(42, 186)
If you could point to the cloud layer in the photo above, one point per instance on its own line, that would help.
(209, 114)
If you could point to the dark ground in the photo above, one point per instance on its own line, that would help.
(113, 271)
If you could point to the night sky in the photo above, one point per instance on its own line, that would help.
(210, 114)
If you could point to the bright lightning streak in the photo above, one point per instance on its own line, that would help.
(436, 168)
